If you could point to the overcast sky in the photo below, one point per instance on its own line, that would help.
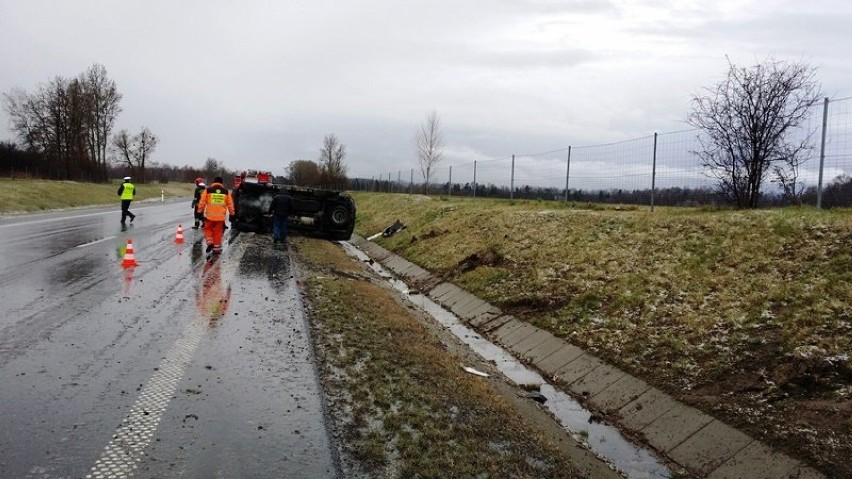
(258, 84)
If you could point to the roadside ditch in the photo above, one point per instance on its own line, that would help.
(584, 426)
(692, 443)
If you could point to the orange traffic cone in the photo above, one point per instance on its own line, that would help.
(129, 260)
(179, 235)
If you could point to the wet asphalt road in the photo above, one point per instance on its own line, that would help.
(179, 367)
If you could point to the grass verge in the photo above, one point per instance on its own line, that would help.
(401, 405)
(31, 196)
(744, 314)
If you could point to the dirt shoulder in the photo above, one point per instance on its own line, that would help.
(399, 401)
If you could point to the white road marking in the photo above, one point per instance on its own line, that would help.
(49, 220)
(90, 243)
(122, 455)
(66, 218)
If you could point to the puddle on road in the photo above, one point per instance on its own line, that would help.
(604, 440)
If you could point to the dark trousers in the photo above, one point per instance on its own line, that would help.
(199, 218)
(279, 228)
(125, 210)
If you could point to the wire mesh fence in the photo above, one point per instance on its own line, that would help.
(659, 169)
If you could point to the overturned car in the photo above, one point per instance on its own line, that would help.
(330, 214)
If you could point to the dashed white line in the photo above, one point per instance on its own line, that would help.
(58, 218)
(90, 243)
(122, 455)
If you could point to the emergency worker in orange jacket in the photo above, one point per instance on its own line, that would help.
(215, 203)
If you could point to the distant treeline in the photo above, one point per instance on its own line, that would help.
(18, 163)
(65, 131)
(838, 193)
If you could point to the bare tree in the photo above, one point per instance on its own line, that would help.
(787, 177)
(75, 125)
(134, 151)
(304, 173)
(747, 121)
(122, 143)
(213, 168)
(48, 122)
(146, 143)
(102, 102)
(23, 120)
(429, 141)
(68, 121)
(332, 153)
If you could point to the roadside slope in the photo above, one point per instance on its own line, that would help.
(32, 196)
(745, 315)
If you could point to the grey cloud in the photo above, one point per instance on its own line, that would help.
(787, 30)
(553, 7)
(526, 58)
(259, 84)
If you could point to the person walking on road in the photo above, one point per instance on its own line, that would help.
(126, 192)
(199, 217)
(280, 210)
(215, 204)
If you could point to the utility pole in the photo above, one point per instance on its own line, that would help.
(512, 181)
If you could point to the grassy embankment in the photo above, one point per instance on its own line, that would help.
(744, 314)
(32, 196)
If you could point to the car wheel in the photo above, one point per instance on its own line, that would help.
(339, 216)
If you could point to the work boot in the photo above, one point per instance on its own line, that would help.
(209, 248)
(132, 218)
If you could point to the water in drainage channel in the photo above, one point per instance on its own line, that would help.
(603, 439)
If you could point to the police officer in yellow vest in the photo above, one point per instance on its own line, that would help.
(126, 192)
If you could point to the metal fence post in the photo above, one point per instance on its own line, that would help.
(654, 172)
(411, 182)
(512, 183)
(450, 183)
(474, 178)
(567, 173)
(822, 152)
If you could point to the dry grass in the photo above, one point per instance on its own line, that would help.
(29, 196)
(745, 314)
(402, 406)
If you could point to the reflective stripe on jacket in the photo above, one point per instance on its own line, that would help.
(127, 191)
(215, 202)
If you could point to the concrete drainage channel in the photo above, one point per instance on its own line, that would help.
(687, 437)
(601, 438)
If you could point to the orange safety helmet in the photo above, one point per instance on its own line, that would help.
(199, 181)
